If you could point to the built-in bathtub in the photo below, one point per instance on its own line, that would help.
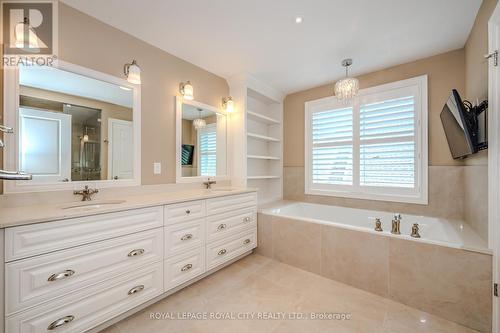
(446, 272)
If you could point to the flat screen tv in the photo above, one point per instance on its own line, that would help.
(187, 154)
(458, 124)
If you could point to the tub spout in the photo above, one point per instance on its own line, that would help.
(396, 224)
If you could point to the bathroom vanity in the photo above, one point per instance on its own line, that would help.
(75, 274)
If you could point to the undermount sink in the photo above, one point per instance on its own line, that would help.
(90, 205)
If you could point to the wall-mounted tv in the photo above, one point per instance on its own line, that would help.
(187, 154)
(460, 123)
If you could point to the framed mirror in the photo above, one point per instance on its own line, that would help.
(201, 142)
(71, 125)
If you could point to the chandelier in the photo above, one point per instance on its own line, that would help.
(347, 88)
(199, 122)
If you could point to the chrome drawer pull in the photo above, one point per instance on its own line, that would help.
(135, 290)
(186, 237)
(186, 268)
(188, 211)
(222, 252)
(136, 252)
(221, 227)
(246, 241)
(60, 322)
(60, 276)
(247, 219)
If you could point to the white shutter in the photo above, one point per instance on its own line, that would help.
(208, 150)
(332, 159)
(387, 143)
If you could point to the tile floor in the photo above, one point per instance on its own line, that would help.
(261, 286)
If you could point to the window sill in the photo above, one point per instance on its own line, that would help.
(421, 199)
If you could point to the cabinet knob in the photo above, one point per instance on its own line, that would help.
(62, 275)
(222, 252)
(247, 219)
(188, 211)
(135, 290)
(246, 241)
(60, 322)
(136, 252)
(186, 237)
(221, 227)
(186, 267)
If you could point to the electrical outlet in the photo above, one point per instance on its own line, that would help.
(157, 168)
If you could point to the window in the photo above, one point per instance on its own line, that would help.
(374, 148)
(207, 157)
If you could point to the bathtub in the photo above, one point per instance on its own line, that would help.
(447, 272)
(433, 230)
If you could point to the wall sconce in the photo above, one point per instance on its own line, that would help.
(187, 90)
(133, 72)
(228, 104)
(24, 29)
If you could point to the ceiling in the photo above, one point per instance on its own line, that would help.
(53, 79)
(190, 112)
(261, 37)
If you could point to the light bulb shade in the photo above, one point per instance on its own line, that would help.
(187, 91)
(199, 123)
(134, 74)
(346, 89)
(228, 104)
(85, 138)
(19, 34)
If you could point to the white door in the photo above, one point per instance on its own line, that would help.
(494, 157)
(120, 149)
(45, 144)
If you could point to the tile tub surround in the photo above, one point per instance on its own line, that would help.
(450, 283)
(260, 284)
(446, 194)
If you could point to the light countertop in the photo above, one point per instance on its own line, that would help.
(18, 216)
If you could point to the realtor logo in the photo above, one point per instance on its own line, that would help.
(28, 31)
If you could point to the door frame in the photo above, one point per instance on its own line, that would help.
(494, 158)
(110, 143)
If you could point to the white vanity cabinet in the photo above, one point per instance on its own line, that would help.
(75, 274)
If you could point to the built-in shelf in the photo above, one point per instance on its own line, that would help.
(263, 177)
(263, 137)
(259, 117)
(261, 157)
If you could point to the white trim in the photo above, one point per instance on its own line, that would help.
(11, 102)
(420, 195)
(494, 159)
(178, 141)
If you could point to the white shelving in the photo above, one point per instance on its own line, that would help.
(262, 137)
(258, 129)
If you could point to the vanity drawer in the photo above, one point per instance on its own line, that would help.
(233, 202)
(184, 268)
(30, 240)
(185, 211)
(40, 279)
(220, 252)
(223, 225)
(185, 236)
(93, 306)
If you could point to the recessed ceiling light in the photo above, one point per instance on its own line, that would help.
(298, 19)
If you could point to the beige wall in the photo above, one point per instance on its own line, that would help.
(88, 42)
(445, 72)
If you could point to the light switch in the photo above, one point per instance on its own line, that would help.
(157, 168)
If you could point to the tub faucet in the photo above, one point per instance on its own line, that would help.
(414, 231)
(378, 225)
(396, 224)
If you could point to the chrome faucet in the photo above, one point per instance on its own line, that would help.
(86, 193)
(208, 184)
(414, 231)
(5, 129)
(396, 224)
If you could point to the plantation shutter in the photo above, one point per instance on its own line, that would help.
(332, 147)
(387, 143)
(208, 150)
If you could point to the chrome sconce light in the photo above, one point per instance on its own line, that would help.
(133, 72)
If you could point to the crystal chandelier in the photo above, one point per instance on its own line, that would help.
(347, 88)
(199, 122)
